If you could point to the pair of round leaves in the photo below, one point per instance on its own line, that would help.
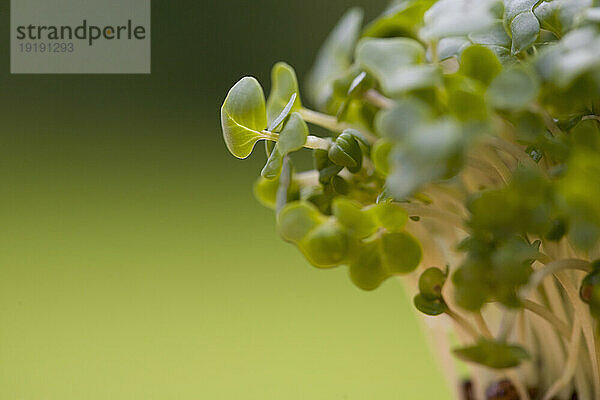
(429, 300)
(322, 240)
(246, 118)
(371, 240)
(385, 249)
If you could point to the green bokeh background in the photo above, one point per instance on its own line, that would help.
(134, 262)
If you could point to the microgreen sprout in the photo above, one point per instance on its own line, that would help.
(463, 134)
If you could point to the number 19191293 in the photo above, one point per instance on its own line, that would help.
(47, 47)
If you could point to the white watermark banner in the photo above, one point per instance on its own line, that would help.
(80, 37)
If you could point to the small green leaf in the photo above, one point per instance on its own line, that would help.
(513, 89)
(243, 117)
(430, 307)
(293, 135)
(399, 121)
(451, 47)
(493, 354)
(380, 154)
(390, 216)
(284, 85)
(457, 18)
(325, 246)
(400, 252)
(431, 283)
(467, 105)
(297, 219)
(334, 57)
(525, 29)
(357, 222)
(480, 63)
(366, 271)
(272, 168)
(397, 64)
(265, 191)
(399, 20)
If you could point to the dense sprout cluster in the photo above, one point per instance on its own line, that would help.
(464, 142)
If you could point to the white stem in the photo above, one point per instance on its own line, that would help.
(587, 325)
(425, 211)
(571, 365)
(378, 100)
(314, 142)
(330, 122)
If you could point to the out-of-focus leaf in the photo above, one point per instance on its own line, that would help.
(513, 89)
(451, 47)
(397, 64)
(480, 63)
(428, 306)
(399, 20)
(383, 257)
(405, 116)
(493, 354)
(335, 57)
(380, 154)
(457, 18)
(357, 222)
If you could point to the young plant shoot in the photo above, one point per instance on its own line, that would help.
(462, 154)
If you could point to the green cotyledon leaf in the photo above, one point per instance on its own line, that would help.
(244, 117)
(480, 63)
(293, 135)
(513, 89)
(272, 168)
(334, 57)
(397, 64)
(384, 256)
(493, 354)
(350, 214)
(284, 85)
(400, 19)
(457, 18)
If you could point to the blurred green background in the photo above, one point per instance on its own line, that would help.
(134, 262)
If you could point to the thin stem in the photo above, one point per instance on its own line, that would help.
(314, 142)
(552, 268)
(284, 184)
(548, 120)
(332, 123)
(378, 100)
(571, 365)
(425, 211)
(546, 314)
(463, 323)
(591, 116)
(482, 325)
(587, 326)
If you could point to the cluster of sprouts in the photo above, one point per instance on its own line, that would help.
(463, 154)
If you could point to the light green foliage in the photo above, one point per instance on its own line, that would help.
(243, 117)
(397, 64)
(472, 124)
(335, 57)
(293, 135)
(284, 85)
(493, 354)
